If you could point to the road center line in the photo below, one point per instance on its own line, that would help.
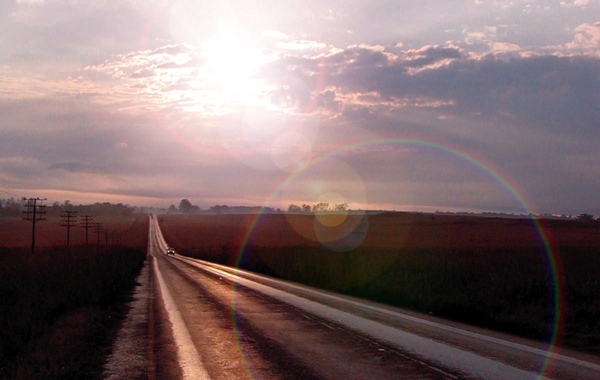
(189, 358)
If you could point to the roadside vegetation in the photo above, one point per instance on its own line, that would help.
(486, 272)
(60, 309)
(506, 290)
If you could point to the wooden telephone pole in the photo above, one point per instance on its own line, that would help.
(69, 219)
(35, 211)
(86, 222)
(98, 230)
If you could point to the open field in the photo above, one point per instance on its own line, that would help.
(60, 308)
(492, 272)
(16, 232)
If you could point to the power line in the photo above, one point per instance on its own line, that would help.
(86, 222)
(35, 211)
(98, 230)
(11, 194)
(68, 219)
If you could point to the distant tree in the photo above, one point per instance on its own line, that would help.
(306, 208)
(321, 207)
(341, 207)
(294, 208)
(585, 217)
(185, 206)
(12, 207)
(220, 209)
(172, 209)
(55, 209)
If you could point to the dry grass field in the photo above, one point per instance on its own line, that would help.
(493, 272)
(16, 232)
(386, 230)
(60, 308)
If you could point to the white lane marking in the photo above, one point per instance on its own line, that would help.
(518, 346)
(446, 356)
(159, 236)
(189, 359)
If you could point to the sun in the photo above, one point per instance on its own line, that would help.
(227, 55)
(230, 67)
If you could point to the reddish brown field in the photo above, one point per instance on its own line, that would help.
(387, 230)
(61, 307)
(493, 272)
(16, 232)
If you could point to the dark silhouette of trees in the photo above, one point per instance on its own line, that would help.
(586, 217)
(15, 207)
(186, 207)
(12, 206)
(341, 207)
(220, 209)
(319, 207)
(294, 208)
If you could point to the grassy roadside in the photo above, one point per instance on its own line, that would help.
(506, 290)
(60, 309)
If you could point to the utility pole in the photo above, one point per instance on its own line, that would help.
(86, 222)
(119, 239)
(35, 212)
(106, 233)
(68, 219)
(98, 230)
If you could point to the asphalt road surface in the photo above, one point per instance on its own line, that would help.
(196, 320)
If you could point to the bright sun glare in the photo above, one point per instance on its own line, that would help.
(228, 58)
(229, 67)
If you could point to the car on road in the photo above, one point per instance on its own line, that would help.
(170, 251)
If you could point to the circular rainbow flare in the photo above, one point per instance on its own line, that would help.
(324, 222)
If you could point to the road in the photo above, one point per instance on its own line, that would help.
(207, 321)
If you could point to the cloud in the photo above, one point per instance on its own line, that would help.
(31, 2)
(430, 56)
(275, 35)
(587, 39)
(574, 3)
(74, 167)
(549, 92)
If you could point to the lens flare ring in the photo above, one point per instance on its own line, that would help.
(556, 272)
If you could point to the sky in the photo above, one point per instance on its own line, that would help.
(398, 105)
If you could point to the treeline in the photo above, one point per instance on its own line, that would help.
(12, 206)
(186, 207)
(318, 207)
(98, 209)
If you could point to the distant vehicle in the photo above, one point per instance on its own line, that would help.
(170, 251)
